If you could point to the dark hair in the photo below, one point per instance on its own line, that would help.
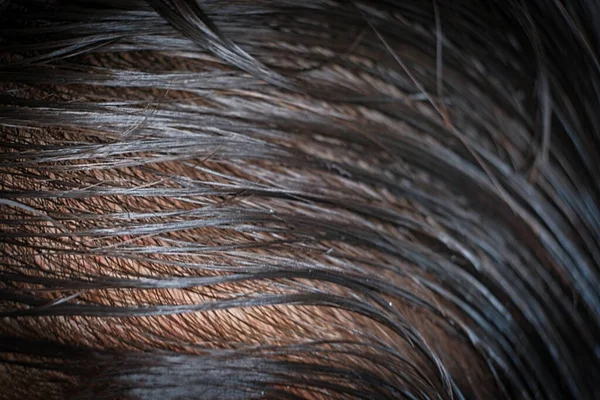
(300, 199)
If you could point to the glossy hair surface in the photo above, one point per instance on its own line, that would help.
(299, 199)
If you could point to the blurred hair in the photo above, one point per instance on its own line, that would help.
(299, 199)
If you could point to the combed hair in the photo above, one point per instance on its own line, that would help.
(287, 199)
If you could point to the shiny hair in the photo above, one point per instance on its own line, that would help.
(300, 199)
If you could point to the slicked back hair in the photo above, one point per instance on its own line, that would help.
(299, 199)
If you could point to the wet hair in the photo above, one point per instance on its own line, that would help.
(299, 199)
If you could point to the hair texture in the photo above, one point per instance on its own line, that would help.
(299, 199)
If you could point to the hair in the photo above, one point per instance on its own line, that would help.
(299, 199)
